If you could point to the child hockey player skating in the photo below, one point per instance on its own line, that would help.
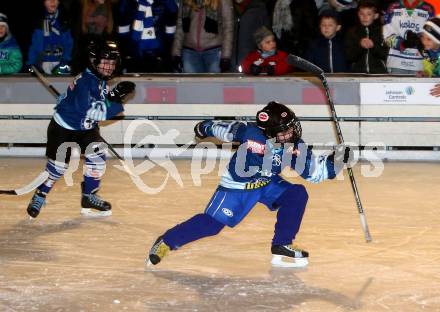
(268, 146)
(78, 111)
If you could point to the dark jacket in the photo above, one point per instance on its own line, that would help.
(329, 55)
(305, 27)
(253, 15)
(370, 61)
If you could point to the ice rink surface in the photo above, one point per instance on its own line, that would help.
(64, 262)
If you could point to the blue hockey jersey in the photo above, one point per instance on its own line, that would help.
(258, 160)
(84, 95)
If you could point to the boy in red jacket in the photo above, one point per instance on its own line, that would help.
(267, 59)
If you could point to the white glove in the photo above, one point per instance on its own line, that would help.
(97, 112)
(259, 62)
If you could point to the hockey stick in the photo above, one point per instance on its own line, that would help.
(28, 188)
(312, 68)
(55, 92)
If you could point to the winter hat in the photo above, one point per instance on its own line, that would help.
(4, 21)
(432, 29)
(262, 33)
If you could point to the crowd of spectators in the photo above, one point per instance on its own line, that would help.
(212, 36)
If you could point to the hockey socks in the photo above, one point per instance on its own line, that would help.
(292, 204)
(197, 227)
(94, 169)
(56, 170)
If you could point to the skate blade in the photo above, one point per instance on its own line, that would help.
(278, 261)
(89, 212)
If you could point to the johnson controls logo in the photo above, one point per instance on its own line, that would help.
(409, 90)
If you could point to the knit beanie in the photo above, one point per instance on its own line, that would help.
(262, 33)
(4, 21)
(432, 29)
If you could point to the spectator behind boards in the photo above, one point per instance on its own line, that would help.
(146, 31)
(10, 55)
(204, 36)
(51, 47)
(266, 59)
(327, 51)
(430, 39)
(404, 22)
(365, 47)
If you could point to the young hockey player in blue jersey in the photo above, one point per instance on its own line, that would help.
(78, 111)
(266, 147)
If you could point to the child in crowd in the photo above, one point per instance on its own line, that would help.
(10, 54)
(364, 44)
(404, 22)
(327, 51)
(51, 47)
(267, 59)
(431, 43)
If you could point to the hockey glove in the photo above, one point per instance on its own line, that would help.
(201, 129)
(122, 89)
(343, 154)
(411, 40)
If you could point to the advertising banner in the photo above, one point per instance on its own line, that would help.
(397, 93)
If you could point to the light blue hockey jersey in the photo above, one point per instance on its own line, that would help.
(258, 160)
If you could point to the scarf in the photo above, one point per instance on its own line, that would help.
(143, 30)
(266, 54)
(51, 23)
(282, 17)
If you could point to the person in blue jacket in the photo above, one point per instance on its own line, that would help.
(52, 42)
(87, 101)
(266, 147)
(146, 31)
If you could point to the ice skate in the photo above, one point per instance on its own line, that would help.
(93, 206)
(36, 204)
(289, 256)
(157, 252)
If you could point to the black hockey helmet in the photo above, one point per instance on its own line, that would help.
(98, 49)
(275, 118)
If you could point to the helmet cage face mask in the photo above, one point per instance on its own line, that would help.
(101, 56)
(279, 122)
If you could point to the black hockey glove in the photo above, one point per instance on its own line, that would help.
(201, 129)
(122, 89)
(411, 40)
(343, 154)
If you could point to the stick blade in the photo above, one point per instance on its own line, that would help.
(303, 64)
(28, 188)
(8, 192)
